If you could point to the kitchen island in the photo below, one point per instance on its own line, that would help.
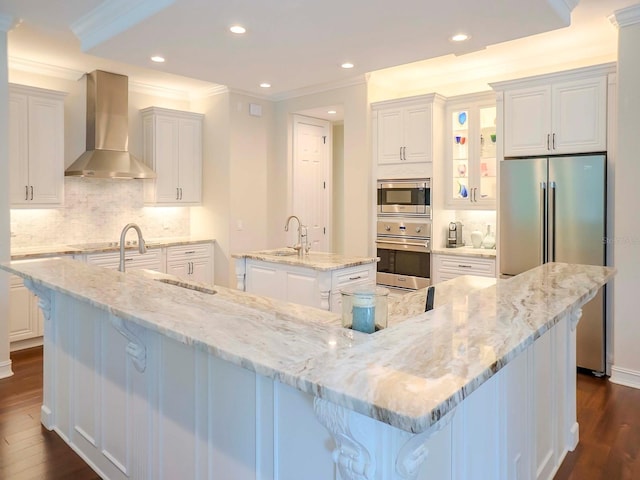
(314, 279)
(151, 380)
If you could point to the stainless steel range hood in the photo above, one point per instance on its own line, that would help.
(108, 131)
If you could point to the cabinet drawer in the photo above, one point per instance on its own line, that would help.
(151, 260)
(466, 266)
(353, 276)
(182, 252)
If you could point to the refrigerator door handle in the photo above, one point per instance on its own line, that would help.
(543, 222)
(552, 222)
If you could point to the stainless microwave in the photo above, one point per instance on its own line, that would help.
(405, 197)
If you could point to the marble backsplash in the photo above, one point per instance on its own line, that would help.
(476, 220)
(95, 210)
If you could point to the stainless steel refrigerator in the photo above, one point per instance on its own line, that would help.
(554, 209)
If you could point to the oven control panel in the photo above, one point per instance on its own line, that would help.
(399, 228)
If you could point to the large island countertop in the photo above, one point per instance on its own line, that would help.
(315, 260)
(408, 375)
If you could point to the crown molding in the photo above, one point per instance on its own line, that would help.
(324, 87)
(6, 22)
(626, 16)
(40, 68)
(158, 91)
(209, 91)
(113, 17)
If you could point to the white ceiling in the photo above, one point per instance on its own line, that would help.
(299, 44)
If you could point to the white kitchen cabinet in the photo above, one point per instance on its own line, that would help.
(299, 284)
(153, 259)
(25, 318)
(173, 149)
(36, 147)
(471, 152)
(555, 114)
(447, 267)
(406, 130)
(191, 262)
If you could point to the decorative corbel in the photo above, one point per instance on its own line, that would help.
(352, 458)
(135, 348)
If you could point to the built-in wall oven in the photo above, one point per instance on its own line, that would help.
(403, 237)
(404, 248)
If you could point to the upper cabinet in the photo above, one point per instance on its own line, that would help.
(173, 149)
(36, 147)
(405, 130)
(556, 114)
(470, 166)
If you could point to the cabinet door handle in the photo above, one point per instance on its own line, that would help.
(404, 153)
(553, 143)
(26, 192)
(180, 193)
(548, 142)
(177, 193)
(355, 278)
(400, 153)
(31, 192)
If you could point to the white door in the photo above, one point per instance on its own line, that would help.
(311, 178)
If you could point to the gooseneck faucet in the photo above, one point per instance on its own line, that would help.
(298, 246)
(142, 248)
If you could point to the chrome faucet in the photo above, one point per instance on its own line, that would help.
(298, 246)
(142, 248)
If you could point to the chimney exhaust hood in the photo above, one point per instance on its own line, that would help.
(107, 141)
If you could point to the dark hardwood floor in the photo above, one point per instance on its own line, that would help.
(27, 449)
(608, 414)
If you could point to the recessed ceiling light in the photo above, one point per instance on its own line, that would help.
(332, 112)
(460, 37)
(265, 85)
(239, 29)
(157, 59)
(347, 65)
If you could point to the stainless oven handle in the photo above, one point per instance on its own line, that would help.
(422, 247)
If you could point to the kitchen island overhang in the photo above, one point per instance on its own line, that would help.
(409, 376)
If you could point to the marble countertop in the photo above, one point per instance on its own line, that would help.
(408, 375)
(467, 252)
(314, 260)
(98, 247)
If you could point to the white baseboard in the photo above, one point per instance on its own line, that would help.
(5, 369)
(626, 377)
(46, 417)
(574, 436)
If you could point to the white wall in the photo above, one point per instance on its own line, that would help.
(237, 153)
(5, 255)
(356, 227)
(626, 242)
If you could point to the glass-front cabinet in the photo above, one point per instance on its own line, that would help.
(471, 152)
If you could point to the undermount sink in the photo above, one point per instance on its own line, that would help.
(189, 286)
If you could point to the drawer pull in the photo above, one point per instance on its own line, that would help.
(464, 266)
(355, 278)
(189, 252)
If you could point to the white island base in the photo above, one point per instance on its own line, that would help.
(137, 404)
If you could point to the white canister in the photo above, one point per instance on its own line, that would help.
(476, 238)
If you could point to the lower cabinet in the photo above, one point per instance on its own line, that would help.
(304, 286)
(25, 318)
(447, 267)
(191, 262)
(133, 260)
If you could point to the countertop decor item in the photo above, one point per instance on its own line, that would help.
(489, 240)
(476, 238)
